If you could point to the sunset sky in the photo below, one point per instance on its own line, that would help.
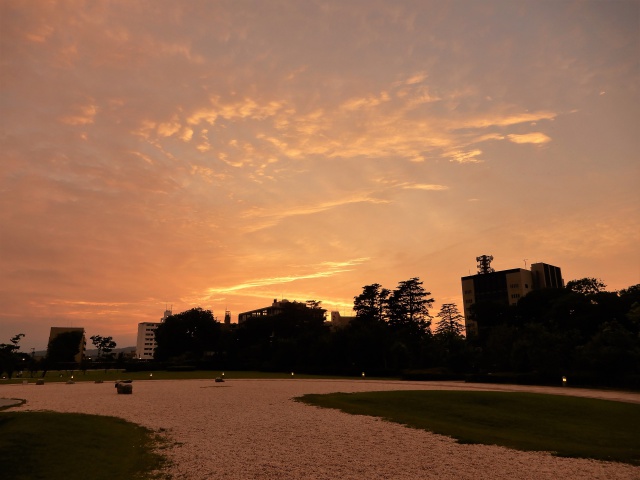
(225, 153)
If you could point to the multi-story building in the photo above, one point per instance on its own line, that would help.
(55, 331)
(504, 286)
(146, 341)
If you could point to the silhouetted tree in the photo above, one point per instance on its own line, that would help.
(488, 315)
(9, 357)
(449, 347)
(586, 286)
(408, 308)
(105, 345)
(187, 335)
(290, 339)
(409, 324)
(370, 305)
(612, 352)
(64, 347)
(451, 321)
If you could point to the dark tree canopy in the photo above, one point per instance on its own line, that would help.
(9, 357)
(105, 345)
(370, 305)
(64, 347)
(13, 346)
(586, 286)
(188, 335)
(408, 307)
(451, 321)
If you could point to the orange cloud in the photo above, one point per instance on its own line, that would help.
(534, 137)
(422, 186)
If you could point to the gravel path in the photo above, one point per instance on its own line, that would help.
(251, 429)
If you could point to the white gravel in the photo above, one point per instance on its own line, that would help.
(252, 429)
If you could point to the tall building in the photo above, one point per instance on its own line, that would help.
(146, 342)
(55, 331)
(504, 286)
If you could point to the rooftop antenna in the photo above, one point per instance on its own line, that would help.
(525, 263)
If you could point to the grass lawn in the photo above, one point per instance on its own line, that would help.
(69, 446)
(567, 426)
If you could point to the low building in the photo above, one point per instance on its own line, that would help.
(146, 341)
(278, 308)
(340, 321)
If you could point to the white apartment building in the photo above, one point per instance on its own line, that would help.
(146, 341)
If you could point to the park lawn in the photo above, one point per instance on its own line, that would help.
(564, 425)
(69, 446)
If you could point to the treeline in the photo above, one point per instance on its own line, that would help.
(62, 353)
(583, 332)
(390, 333)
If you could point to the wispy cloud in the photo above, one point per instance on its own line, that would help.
(268, 218)
(323, 270)
(425, 186)
(82, 115)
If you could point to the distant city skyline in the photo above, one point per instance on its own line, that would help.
(225, 153)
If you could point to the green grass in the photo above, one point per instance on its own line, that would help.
(69, 446)
(112, 375)
(564, 425)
